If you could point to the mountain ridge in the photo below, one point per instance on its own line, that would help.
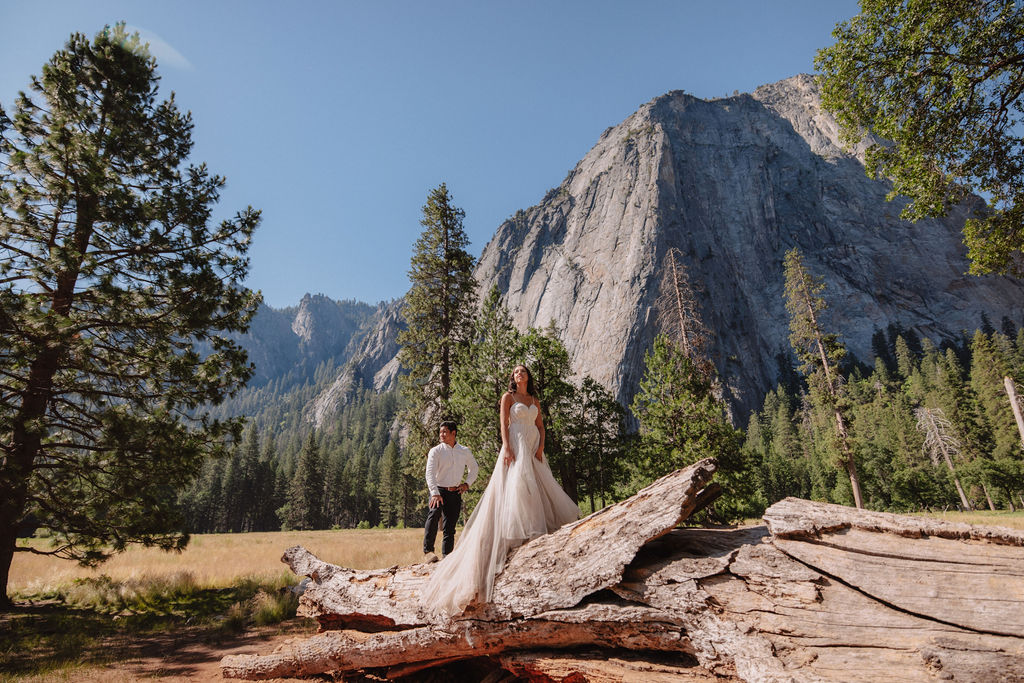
(731, 183)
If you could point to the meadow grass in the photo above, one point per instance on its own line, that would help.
(73, 619)
(221, 559)
(1004, 518)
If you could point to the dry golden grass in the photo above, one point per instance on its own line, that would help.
(1004, 518)
(220, 559)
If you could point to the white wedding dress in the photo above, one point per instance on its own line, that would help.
(522, 501)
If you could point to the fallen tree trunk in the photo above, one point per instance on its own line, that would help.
(556, 570)
(822, 592)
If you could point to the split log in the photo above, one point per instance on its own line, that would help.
(556, 570)
(608, 625)
(951, 573)
(822, 592)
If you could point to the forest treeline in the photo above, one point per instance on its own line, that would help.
(926, 422)
(918, 428)
(931, 427)
(352, 471)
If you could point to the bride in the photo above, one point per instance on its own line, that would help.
(522, 501)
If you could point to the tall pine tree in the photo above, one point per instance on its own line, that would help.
(438, 312)
(820, 354)
(305, 506)
(118, 296)
(479, 380)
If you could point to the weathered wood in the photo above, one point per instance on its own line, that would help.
(556, 570)
(821, 593)
(803, 519)
(822, 629)
(604, 667)
(378, 600)
(600, 624)
(560, 569)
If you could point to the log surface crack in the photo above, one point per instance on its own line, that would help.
(893, 606)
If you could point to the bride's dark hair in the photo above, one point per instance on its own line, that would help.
(529, 381)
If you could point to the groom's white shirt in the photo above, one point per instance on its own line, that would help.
(445, 465)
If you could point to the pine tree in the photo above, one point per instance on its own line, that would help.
(681, 420)
(820, 354)
(304, 509)
(594, 441)
(990, 364)
(544, 354)
(389, 492)
(438, 311)
(480, 379)
(951, 392)
(679, 311)
(250, 498)
(113, 283)
(940, 444)
(773, 438)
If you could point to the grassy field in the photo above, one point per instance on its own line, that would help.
(219, 560)
(1012, 520)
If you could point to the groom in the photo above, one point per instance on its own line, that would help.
(445, 464)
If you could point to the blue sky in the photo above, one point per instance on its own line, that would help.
(337, 118)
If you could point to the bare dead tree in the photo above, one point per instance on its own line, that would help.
(939, 443)
(679, 313)
(1011, 393)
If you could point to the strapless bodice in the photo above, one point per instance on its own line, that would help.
(520, 412)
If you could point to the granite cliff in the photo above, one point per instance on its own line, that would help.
(732, 183)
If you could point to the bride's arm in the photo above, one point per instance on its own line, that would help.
(506, 446)
(540, 428)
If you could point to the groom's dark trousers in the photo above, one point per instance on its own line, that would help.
(448, 511)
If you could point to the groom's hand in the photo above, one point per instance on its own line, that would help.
(435, 501)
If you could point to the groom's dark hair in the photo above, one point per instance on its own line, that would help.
(450, 426)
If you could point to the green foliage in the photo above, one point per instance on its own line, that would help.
(544, 354)
(941, 82)
(820, 353)
(438, 312)
(117, 299)
(595, 444)
(900, 468)
(353, 455)
(390, 489)
(304, 508)
(480, 378)
(682, 420)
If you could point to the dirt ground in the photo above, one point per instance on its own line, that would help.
(200, 661)
(178, 656)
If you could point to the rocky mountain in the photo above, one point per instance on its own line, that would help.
(732, 183)
(311, 358)
(299, 338)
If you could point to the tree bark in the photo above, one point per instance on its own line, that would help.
(1011, 392)
(819, 593)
